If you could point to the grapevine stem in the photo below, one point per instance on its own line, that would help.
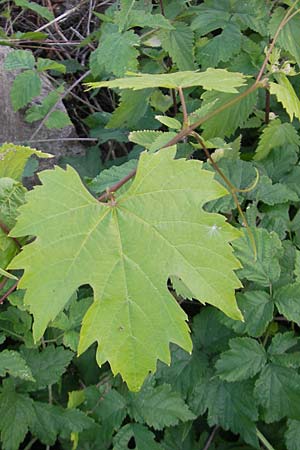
(263, 440)
(10, 290)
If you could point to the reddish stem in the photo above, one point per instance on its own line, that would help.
(10, 290)
(6, 231)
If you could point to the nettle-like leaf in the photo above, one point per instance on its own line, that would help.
(126, 250)
(286, 94)
(122, 47)
(159, 407)
(276, 134)
(289, 36)
(173, 41)
(245, 359)
(26, 86)
(216, 79)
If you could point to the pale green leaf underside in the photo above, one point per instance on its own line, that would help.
(212, 79)
(13, 159)
(126, 250)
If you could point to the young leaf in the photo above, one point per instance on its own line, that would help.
(212, 79)
(289, 36)
(245, 359)
(264, 268)
(33, 6)
(108, 177)
(49, 421)
(278, 391)
(132, 107)
(116, 53)
(257, 308)
(46, 366)
(26, 86)
(173, 41)
(11, 362)
(58, 119)
(226, 122)
(276, 134)
(232, 406)
(44, 64)
(146, 19)
(159, 407)
(143, 437)
(126, 249)
(12, 195)
(287, 302)
(221, 47)
(16, 412)
(292, 435)
(19, 59)
(13, 159)
(286, 94)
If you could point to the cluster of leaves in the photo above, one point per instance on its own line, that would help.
(111, 272)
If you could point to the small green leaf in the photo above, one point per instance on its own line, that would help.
(116, 53)
(226, 122)
(132, 107)
(143, 437)
(33, 6)
(221, 47)
(257, 308)
(159, 407)
(286, 94)
(26, 86)
(232, 406)
(170, 122)
(289, 36)
(109, 177)
(245, 359)
(12, 195)
(7, 274)
(146, 19)
(11, 362)
(19, 59)
(174, 41)
(58, 119)
(277, 391)
(212, 79)
(292, 435)
(44, 64)
(287, 302)
(46, 366)
(13, 159)
(276, 134)
(16, 412)
(264, 267)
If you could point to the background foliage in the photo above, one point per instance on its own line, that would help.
(240, 386)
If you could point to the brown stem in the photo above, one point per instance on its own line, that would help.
(211, 437)
(10, 290)
(3, 283)
(288, 16)
(184, 110)
(161, 4)
(117, 186)
(173, 93)
(267, 107)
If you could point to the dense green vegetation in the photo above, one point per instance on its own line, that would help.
(150, 290)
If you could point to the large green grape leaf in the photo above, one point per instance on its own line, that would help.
(126, 250)
(216, 79)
